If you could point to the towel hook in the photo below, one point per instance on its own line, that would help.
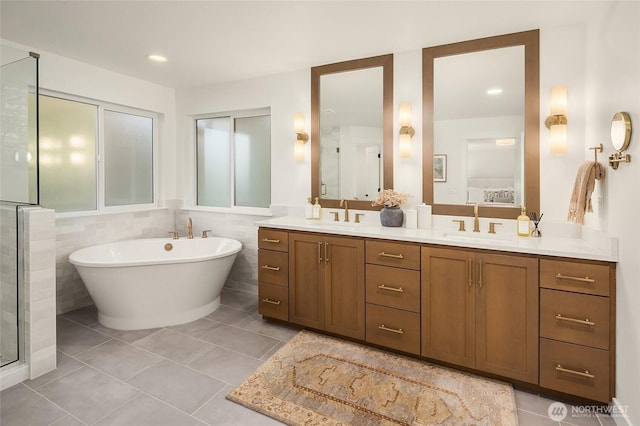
(596, 149)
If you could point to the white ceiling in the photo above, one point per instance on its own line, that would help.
(209, 42)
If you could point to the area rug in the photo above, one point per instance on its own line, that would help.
(319, 380)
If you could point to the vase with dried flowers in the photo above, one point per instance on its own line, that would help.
(391, 213)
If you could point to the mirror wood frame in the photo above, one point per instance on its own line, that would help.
(531, 42)
(384, 61)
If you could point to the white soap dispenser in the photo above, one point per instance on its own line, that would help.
(308, 209)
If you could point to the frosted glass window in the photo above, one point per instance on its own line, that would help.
(252, 146)
(128, 159)
(234, 160)
(67, 154)
(214, 162)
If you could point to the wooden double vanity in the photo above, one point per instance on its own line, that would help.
(545, 322)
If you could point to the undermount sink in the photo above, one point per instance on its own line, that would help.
(334, 224)
(478, 237)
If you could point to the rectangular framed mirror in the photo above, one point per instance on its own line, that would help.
(352, 131)
(481, 111)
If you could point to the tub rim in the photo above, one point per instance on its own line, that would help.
(73, 257)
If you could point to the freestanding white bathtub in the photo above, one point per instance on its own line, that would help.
(156, 282)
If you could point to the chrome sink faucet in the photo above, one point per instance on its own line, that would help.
(346, 209)
(189, 229)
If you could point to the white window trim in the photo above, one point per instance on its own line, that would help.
(240, 210)
(99, 160)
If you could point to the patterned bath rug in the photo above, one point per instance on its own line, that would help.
(320, 380)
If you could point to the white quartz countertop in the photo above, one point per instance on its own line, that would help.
(546, 245)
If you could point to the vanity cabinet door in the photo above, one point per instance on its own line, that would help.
(480, 310)
(344, 287)
(448, 306)
(306, 280)
(507, 316)
(326, 283)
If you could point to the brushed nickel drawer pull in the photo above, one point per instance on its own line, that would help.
(580, 279)
(396, 289)
(271, 268)
(579, 321)
(391, 330)
(395, 256)
(273, 302)
(269, 240)
(577, 373)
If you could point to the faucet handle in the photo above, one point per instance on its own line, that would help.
(204, 233)
(335, 216)
(358, 215)
(461, 226)
(174, 234)
(492, 227)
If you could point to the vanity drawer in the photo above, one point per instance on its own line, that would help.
(393, 254)
(580, 277)
(273, 267)
(574, 369)
(273, 239)
(273, 301)
(393, 287)
(575, 318)
(393, 328)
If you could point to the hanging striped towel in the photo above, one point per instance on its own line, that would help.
(582, 190)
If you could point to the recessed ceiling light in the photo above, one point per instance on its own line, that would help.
(156, 58)
(494, 91)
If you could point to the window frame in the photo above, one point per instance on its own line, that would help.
(99, 162)
(231, 115)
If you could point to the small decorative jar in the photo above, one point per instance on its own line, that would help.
(391, 216)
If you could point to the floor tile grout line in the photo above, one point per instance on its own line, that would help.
(137, 389)
(210, 399)
(52, 402)
(213, 345)
(56, 378)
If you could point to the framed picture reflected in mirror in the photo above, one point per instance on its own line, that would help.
(440, 168)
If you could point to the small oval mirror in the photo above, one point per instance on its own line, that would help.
(620, 131)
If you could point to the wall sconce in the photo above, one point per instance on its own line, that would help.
(301, 136)
(557, 121)
(406, 130)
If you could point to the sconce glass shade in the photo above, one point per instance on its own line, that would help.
(404, 114)
(298, 122)
(558, 137)
(298, 150)
(404, 145)
(559, 100)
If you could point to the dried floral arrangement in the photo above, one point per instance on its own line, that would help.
(390, 198)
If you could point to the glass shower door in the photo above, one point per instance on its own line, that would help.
(18, 185)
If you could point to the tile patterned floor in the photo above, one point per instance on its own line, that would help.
(171, 376)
